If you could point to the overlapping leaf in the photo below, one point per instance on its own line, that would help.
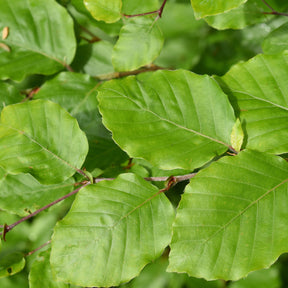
(172, 119)
(22, 194)
(259, 91)
(248, 13)
(232, 218)
(111, 232)
(42, 139)
(276, 41)
(213, 7)
(77, 94)
(41, 38)
(41, 273)
(9, 95)
(140, 42)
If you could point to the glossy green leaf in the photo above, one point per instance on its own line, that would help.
(41, 38)
(172, 119)
(112, 231)
(140, 42)
(41, 273)
(213, 7)
(11, 262)
(237, 136)
(77, 94)
(258, 88)
(23, 195)
(232, 218)
(108, 11)
(41, 138)
(276, 41)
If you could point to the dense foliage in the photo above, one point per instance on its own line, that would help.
(152, 137)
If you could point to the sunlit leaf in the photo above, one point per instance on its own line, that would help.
(258, 88)
(41, 38)
(213, 7)
(108, 11)
(237, 136)
(232, 218)
(140, 42)
(172, 119)
(42, 139)
(112, 231)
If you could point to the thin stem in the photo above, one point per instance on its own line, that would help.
(273, 11)
(38, 248)
(159, 12)
(171, 180)
(8, 228)
(94, 37)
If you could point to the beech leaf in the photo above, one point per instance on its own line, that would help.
(226, 231)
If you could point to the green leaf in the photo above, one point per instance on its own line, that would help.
(237, 136)
(95, 59)
(77, 94)
(112, 231)
(41, 38)
(266, 278)
(108, 11)
(41, 138)
(276, 41)
(213, 7)
(23, 195)
(140, 42)
(139, 6)
(240, 17)
(11, 262)
(9, 95)
(258, 88)
(172, 119)
(232, 218)
(249, 13)
(41, 273)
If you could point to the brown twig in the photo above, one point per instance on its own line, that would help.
(171, 180)
(159, 12)
(38, 248)
(8, 228)
(273, 11)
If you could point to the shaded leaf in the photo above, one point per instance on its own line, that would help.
(276, 41)
(35, 45)
(213, 7)
(172, 119)
(41, 138)
(112, 231)
(226, 231)
(77, 94)
(139, 6)
(23, 195)
(108, 11)
(258, 89)
(9, 95)
(41, 273)
(140, 42)
(11, 262)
